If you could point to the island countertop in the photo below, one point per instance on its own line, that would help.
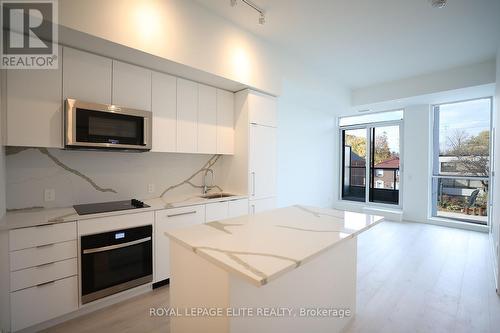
(262, 247)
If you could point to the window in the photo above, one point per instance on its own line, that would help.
(371, 158)
(461, 160)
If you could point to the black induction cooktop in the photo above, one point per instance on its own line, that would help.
(112, 206)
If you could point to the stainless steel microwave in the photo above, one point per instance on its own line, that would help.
(104, 126)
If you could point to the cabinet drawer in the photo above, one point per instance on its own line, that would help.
(117, 222)
(41, 274)
(238, 208)
(42, 255)
(216, 211)
(190, 215)
(41, 235)
(37, 304)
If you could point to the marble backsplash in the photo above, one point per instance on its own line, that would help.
(92, 176)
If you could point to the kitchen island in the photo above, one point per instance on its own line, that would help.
(287, 270)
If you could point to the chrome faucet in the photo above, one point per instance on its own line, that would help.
(207, 188)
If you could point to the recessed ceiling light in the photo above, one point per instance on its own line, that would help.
(438, 3)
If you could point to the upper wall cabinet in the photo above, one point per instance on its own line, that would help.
(187, 116)
(225, 122)
(86, 76)
(131, 86)
(207, 119)
(164, 107)
(34, 107)
(262, 109)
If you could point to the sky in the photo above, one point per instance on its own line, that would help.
(472, 117)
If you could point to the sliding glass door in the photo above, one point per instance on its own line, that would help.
(354, 165)
(384, 165)
(371, 163)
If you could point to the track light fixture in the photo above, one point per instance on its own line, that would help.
(262, 15)
(438, 3)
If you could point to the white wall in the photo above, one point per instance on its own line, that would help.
(452, 79)
(495, 230)
(416, 143)
(181, 31)
(307, 140)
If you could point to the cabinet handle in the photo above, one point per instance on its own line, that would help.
(253, 184)
(45, 245)
(45, 283)
(43, 265)
(180, 214)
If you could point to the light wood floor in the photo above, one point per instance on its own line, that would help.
(411, 278)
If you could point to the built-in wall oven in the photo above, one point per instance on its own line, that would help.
(115, 261)
(103, 126)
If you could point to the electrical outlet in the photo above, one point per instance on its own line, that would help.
(49, 195)
(151, 188)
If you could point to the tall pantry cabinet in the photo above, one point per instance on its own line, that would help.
(253, 167)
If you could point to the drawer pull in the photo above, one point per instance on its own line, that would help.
(47, 264)
(44, 225)
(45, 283)
(180, 214)
(45, 245)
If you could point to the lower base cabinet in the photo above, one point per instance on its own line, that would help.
(261, 205)
(166, 220)
(33, 305)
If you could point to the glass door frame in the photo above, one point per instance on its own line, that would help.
(368, 127)
(434, 164)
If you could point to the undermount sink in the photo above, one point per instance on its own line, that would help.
(217, 195)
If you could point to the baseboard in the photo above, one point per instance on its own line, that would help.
(494, 259)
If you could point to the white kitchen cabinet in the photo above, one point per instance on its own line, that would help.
(187, 116)
(225, 122)
(42, 255)
(262, 109)
(47, 234)
(164, 108)
(207, 119)
(34, 107)
(43, 302)
(261, 205)
(131, 86)
(216, 211)
(166, 220)
(262, 162)
(237, 208)
(43, 273)
(86, 76)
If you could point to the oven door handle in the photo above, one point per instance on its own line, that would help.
(116, 246)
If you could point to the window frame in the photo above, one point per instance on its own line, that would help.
(434, 166)
(368, 127)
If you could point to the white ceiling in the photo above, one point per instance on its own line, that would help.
(364, 42)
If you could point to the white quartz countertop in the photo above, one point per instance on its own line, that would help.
(262, 247)
(31, 217)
